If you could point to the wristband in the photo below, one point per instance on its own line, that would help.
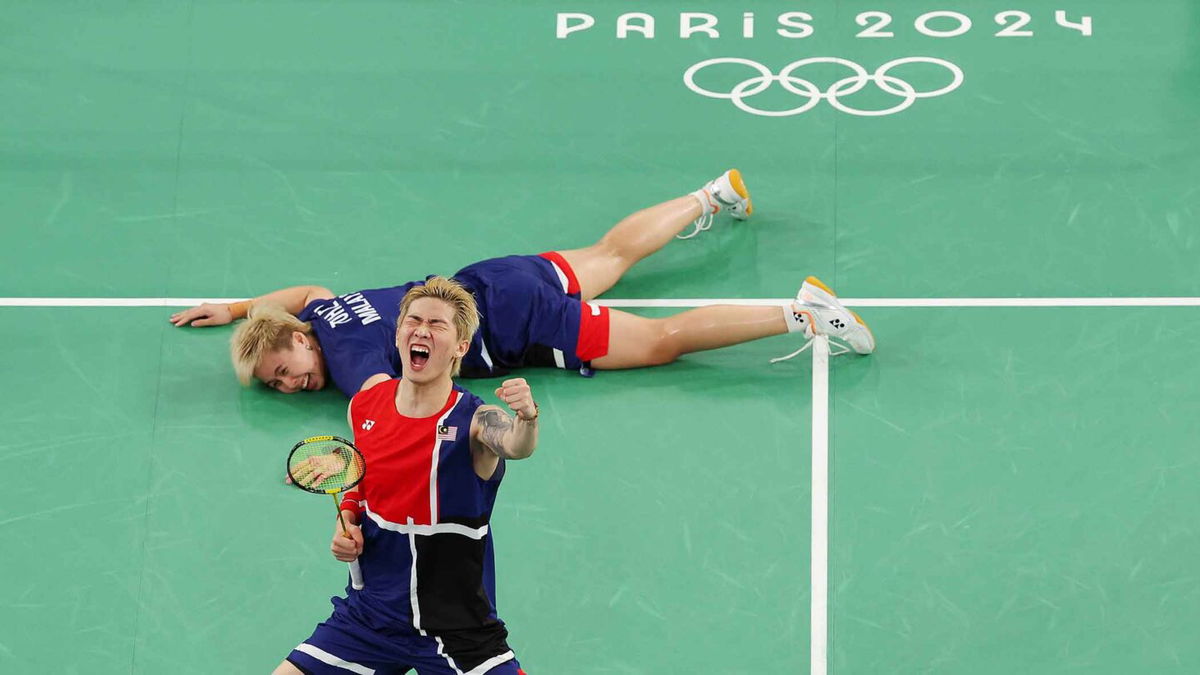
(536, 411)
(351, 501)
(239, 309)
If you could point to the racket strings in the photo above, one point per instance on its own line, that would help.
(325, 466)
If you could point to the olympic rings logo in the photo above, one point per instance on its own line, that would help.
(844, 87)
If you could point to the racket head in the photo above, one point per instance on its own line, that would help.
(325, 465)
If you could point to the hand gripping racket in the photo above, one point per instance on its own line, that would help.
(328, 465)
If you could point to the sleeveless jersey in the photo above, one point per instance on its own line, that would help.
(427, 559)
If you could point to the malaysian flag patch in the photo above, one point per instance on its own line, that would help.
(445, 433)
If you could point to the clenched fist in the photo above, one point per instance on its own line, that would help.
(519, 398)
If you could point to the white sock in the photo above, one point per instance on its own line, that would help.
(796, 322)
(707, 205)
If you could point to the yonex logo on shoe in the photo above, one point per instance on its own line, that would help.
(837, 323)
(801, 87)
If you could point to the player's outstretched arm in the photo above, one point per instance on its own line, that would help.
(509, 436)
(293, 299)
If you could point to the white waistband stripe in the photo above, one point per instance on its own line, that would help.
(440, 528)
(325, 657)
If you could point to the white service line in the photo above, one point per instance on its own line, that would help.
(682, 302)
(819, 619)
(111, 302)
(921, 302)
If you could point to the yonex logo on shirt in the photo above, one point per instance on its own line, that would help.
(367, 424)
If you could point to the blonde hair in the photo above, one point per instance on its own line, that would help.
(267, 328)
(451, 292)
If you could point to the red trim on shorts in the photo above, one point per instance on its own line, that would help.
(593, 328)
(593, 332)
(556, 258)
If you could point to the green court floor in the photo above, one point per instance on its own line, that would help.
(1012, 490)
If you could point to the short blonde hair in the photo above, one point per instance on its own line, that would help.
(451, 292)
(267, 328)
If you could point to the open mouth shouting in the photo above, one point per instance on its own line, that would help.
(418, 355)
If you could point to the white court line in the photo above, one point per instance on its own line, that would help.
(923, 302)
(819, 618)
(111, 302)
(684, 302)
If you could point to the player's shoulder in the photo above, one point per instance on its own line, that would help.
(312, 308)
(469, 399)
(373, 395)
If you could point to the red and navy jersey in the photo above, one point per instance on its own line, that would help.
(427, 559)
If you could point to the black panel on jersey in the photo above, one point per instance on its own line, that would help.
(450, 589)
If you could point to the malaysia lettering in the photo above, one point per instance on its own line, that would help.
(333, 313)
(361, 307)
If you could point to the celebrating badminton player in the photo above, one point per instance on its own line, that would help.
(535, 311)
(418, 521)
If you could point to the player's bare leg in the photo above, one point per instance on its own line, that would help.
(599, 266)
(286, 668)
(635, 341)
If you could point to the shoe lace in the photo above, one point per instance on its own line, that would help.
(704, 222)
(842, 349)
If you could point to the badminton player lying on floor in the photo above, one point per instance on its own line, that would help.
(534, 311)
(434, 455)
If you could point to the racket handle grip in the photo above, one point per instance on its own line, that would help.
(356, 580)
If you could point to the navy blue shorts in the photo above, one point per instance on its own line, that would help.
(532, 314)
(339, 646)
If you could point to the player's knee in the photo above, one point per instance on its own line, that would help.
(615, 252)
(664, 348)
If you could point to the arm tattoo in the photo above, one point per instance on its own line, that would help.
(494, 424)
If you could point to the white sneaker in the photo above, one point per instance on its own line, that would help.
(829, 317)
(726, 192)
